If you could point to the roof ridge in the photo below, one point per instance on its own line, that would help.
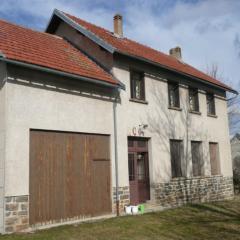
(30, 29)
(86, 22)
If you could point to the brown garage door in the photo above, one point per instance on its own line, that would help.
(69, 175)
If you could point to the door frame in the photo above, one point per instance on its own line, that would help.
(134, 150)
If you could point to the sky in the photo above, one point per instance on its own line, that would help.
(208, 31)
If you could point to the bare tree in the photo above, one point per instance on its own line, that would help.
(233, 100)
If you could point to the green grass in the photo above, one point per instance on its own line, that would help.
(219, 220)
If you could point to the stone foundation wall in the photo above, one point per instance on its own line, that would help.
(16, 214)
(195, 190)
(124, 196)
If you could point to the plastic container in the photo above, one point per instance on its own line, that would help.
(128, 209)
(134, 209)
(141, 208)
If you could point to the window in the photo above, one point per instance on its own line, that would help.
(137, 85)
(176, 151)
(214, 158)
(173, 95)
(210, 104)
(141, 168)
(197, 161)
(193, 100)
(131, 167)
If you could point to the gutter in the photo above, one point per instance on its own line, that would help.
(116, 154)
(57, 72)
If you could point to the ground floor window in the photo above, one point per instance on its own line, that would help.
(214, 158)
(176, 151)
(197, 159)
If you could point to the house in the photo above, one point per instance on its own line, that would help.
(91, 121)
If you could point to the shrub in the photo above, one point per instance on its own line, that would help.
(236, 180)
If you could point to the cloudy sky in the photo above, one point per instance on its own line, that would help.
(207, 30)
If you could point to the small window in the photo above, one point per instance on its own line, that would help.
(197, 161)
(137, 85)
(214, 158)
(210, 104)
(131, 167)
(193, 100)
(141, 167)
(173, 95)
(176, 150)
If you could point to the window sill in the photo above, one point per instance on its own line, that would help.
(212, 115)
(175, 108)
(138, 101)
(195, 112)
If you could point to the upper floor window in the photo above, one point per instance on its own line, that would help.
(193, 100)
(173, 95)
(210, 104)
(137, 85)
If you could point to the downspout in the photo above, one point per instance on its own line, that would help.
(116, 151)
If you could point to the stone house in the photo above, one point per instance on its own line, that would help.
(91, 121)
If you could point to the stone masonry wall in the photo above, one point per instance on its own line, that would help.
(124, 196)
(195, 190)
(16, 214)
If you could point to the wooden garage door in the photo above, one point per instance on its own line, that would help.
(69, 175)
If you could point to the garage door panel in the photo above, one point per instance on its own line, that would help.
(65, 181)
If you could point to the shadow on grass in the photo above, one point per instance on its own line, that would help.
(218, 209)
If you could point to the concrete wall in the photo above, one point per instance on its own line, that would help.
(2, 137)
(100, 55)
(164, 124)
(40, 101)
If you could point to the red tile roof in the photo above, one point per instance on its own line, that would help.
(130, 47)
(43, 49)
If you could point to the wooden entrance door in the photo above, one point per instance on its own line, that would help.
(69, 176)
(138, 166)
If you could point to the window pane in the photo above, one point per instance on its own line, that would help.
(141, 166)
(176, 158)
(141, 143)
(137, 85)
(130, 143)
(173, 92)
(138, 89)
(193, 99)
(210, 104)
(131, 168)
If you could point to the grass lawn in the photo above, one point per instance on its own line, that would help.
(219, 220)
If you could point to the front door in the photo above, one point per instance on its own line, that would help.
(138, 170)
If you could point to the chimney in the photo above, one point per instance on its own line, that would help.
(118, 29)
(176, 52)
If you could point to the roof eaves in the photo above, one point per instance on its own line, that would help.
(179, 72)
(60, 73)
(83, 30)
